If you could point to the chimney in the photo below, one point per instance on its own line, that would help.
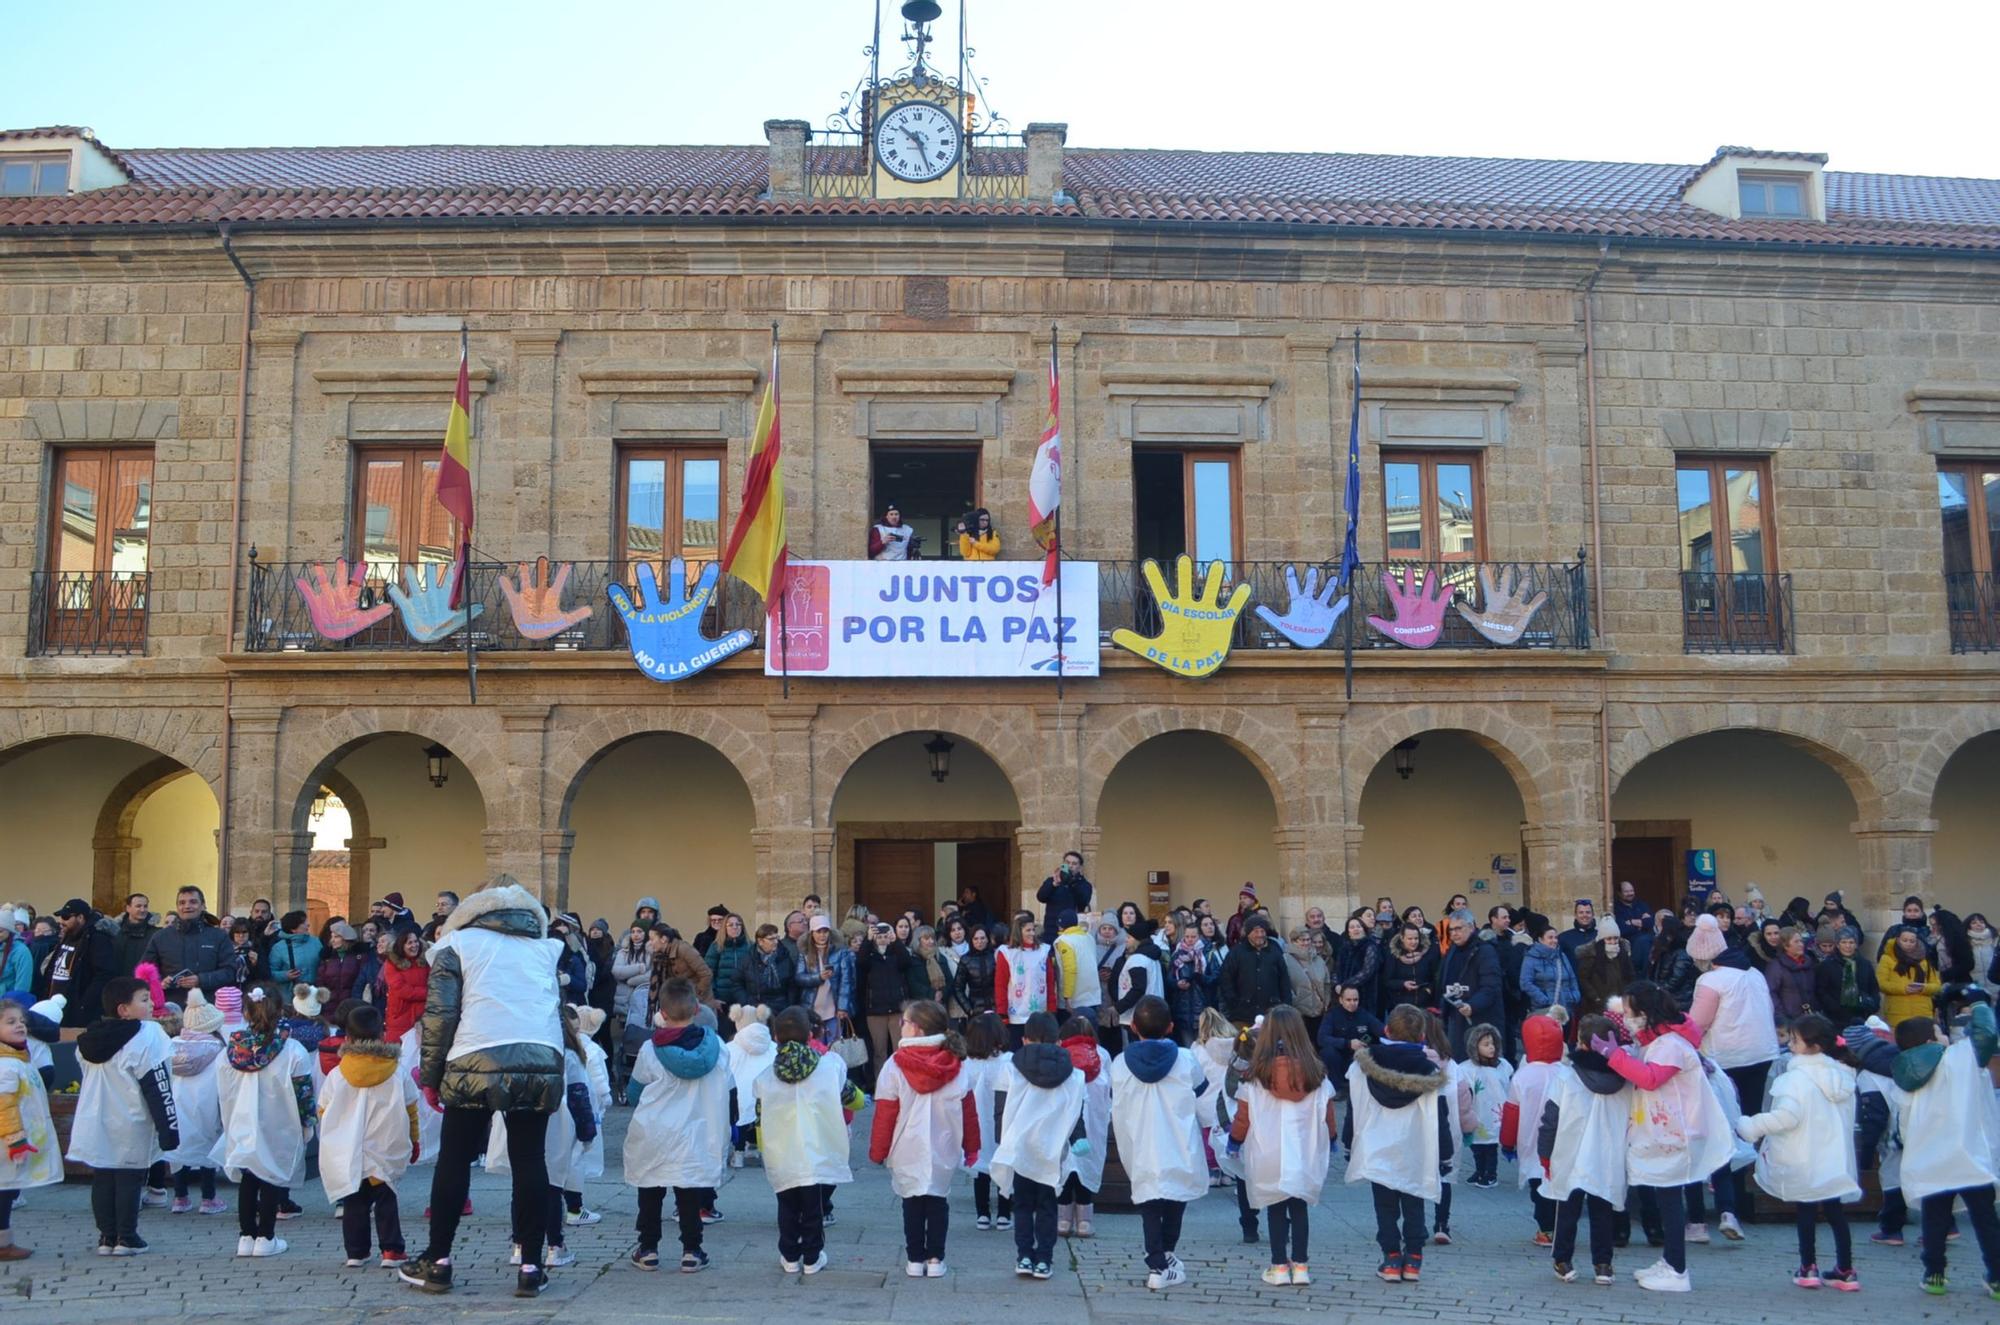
(1045, 160)
(787, 160)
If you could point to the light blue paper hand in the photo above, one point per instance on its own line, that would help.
(426, 608)
(1312, 614)
(665, 633)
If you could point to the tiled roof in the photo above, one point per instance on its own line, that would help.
(1494, 195)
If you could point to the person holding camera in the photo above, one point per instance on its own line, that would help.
(892, 540)
(977, 538)
(1065, 890)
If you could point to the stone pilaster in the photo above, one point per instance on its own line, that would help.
(1312, 514)
(256, 810)
(514, 837)
(530, 421)
(1895, 863)
(798, 354)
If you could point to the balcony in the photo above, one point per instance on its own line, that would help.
(1972, 604)
(303, 607)
(1562, 622)
(1736, 613)
(87, 613)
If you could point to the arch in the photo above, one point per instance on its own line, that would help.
(113, 843)
(583, 748)
(344, 731)
(1272, 751)
(360, 838)
(1428, 836)
(1816, 730)
(841, 747)
(1967, 838)
(1966, 724)
(174, 730)
(1199, 806)
(1521, 751)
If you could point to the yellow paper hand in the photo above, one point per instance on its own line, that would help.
(1195, 630)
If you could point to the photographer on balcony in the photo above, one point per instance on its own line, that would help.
(892, 540)
(978, 540)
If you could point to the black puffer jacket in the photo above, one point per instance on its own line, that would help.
(974, 981)
(477, 986)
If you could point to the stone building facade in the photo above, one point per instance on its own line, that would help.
(259, 338)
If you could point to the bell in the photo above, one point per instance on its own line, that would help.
(921, 11)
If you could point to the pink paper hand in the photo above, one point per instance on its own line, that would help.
(1419, 611)
(334, 602)
(536, 604)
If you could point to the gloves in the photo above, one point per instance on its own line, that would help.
(415, 1151)
(431, 1098)
(1234, 1148)
(1080, 1146)
(1603, 1044)
(971, 1158)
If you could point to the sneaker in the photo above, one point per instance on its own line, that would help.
(581, 1218)
(789, 1267)
(466, 1213)
(1543, 1239)
(1649, 1270)
(1882, 1239)
(1299, 1276)
(393, 1260)
(1992, 1288)
(339, 1209)
(1278, 1276)
(270, 1247)
(1175, 1274)
(289, 1210)
(1441, 1238)
(355, 1262)
(1732, 1228)
(645, 1258)
(693, 1262)
(1391, 1269)
(1024, 1267)
(1251, 1237)
(1043, 1269)
(243, 1246)
(752, 1155)
(1806, 1276)
(1697, 1233)
(827, 1220)
(530, 1283)
(1565, 1272)
(152, 1198)
(815, 1265)
(1413, 1267)
(429, 1275)
(514, 1255)
(1847, 1281)
(1668, 1280)
(1656, 1237)
(180, 1206)
(555, 1258)
(1003, 1221)
(982, 1223)
(208, 1207)
(1155, 1280)
(1602, 1275)
(914, 1269)
(711, 1216)
(735, 1159)
(1934, 1284)
(132, 1246)
(935, 1270)
(105, 1246)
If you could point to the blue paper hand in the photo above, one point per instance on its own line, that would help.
(665, 633)
(1312, 614)
(426, 609)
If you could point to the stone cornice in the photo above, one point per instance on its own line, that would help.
(953, 377)
(659, 377)
(399, 377)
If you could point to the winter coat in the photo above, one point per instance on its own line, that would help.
(1077, 984)
(1476, 967)
(1547, 980)
(367, 1119)
(630, 970)
(1156, 1097)
(803, 1131)
(265, 1089)
(1311, 982)
(975, 981)
(1400, 967)
(1394, 1120)
(1359, 966)
(725, 957)
(1807, 1133)
(925, 1127)
(125, 1115)
(405, 984)
(1583, 1133)
(338, 972)
(1793, 990)
(492, 1028)
(128, 943)
(1829, 980)
(197, 947)
(882, 978)
(837, 973)
(17, 965)
(1733, 1008)
(943, 994)
(1600, 976)
(26, 1101)
(1253, 981)
(1676, 972)
(566, 1142)
(1200, 968)
(79, 967)
(1285, 1132)
(680, 961)
(1336, 1030)
(1542, 1051)
(1040, 1102)
(1899, 1005)
(195, 1068)
(1679, 1131)
(769, 978)
(679, 1133)
(293, 952)
(1060, 893)
(1945, 1110)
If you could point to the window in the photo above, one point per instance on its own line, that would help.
(397, 520)
(669, 505)
(934, 487)
(1969, 509)
(1432, 506)
(1187, 501)
(1772, 195)
(92, 597)
(41, 174)
(1732, 600)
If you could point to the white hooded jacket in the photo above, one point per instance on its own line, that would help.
(1808, 1132)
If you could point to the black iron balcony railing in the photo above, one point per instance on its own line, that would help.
(81, 613)
(307, 606)
(1972, 602)
(1736, 613)
(1562, 621)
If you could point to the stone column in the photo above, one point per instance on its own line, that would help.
(1320, 872)
(250, 869)
(820, 842)
(514, 837)
(111, 871)
(1895, 862)
(1289, 908)
(556, 845)
(1561, 865)
(290, 854)
(1575, 859)
(788, 866)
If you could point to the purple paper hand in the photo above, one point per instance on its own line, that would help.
(1419, 619)
(334, 602)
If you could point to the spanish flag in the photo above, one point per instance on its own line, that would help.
(454, 489)
(757, 554)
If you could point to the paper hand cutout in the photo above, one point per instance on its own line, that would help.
(1419, 619)
(1312, 615)
(1505, 617)
(333, 602)
(536, 604)
(665, 633)
(1194, 630)
(426, 609)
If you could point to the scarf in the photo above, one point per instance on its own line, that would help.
(252, 1051)
(1850, 993)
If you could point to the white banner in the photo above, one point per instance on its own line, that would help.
(936, 618)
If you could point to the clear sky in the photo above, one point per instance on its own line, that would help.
(1905, 89)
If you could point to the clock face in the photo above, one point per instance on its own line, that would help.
(917, 141)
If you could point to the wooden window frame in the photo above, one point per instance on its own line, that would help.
(37, 161)
(1976, 513)
(671, 452)
(1719, 526)
(1427, 462)
(948, 548)
(107, 458)
(1189, 457)
(1765, 179)
(414, 459)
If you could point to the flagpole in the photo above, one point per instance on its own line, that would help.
(1352, 567)
(1062, 659)
(784, 630)
(465, 550)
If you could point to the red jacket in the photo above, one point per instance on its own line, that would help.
(404, 1007)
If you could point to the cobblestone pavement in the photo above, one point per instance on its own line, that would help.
(1491, 1273)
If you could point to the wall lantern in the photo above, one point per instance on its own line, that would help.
(435, 756)
(939, 749)
(1406, 758)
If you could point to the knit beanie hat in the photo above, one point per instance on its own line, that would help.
(1248, 890)
(1753, 895)
(1847, 932)
(1706, 943)
(1607, 928)
(229, 999)
(202, 1017)
(307, 999)
(1538, 925)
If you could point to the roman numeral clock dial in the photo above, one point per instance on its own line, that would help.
(917, 141)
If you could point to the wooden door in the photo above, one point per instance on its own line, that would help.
(891, 877)
(989, 866)
(1649, 863)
